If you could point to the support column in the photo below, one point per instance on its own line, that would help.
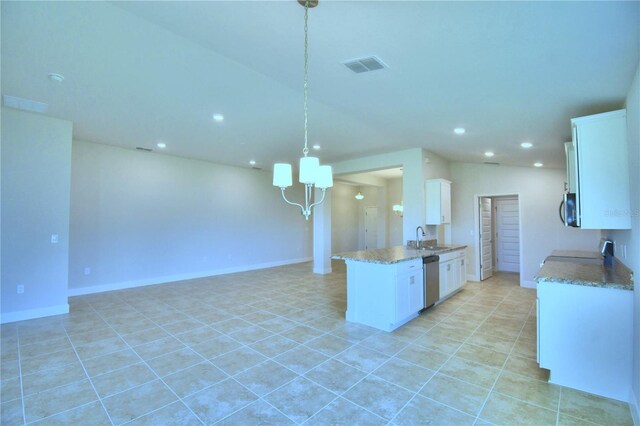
(322, 234)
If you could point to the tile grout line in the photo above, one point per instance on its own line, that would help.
(559, 402)
(152, 370)
(451, 356)
(24, 415)
(89, 378)
(505, 361)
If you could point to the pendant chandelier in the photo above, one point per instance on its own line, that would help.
(359, 195)
(311, 172)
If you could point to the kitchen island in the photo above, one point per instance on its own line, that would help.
(385, 287)
(585, 317)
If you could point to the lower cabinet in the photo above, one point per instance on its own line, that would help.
(409, 293)
(585, 337)
(453, 272)
(384, 295)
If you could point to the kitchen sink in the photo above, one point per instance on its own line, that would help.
(433, 248)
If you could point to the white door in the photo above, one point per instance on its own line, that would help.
(507, 235)
(486, 252)
(370, 228)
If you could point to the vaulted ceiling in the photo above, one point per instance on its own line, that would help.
(139, 73)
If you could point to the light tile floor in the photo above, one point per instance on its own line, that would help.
(272, 346)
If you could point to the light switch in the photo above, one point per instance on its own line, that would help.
(54, 238)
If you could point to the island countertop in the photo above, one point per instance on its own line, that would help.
(591, 274)
(393, 254)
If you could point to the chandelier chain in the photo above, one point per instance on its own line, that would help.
(305, 151)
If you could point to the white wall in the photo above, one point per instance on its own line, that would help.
(394, 196)
(36, 168)
(370, 200)
(143, 218)
(540, 193)
(631, 238)
(415, 171)
(344, 218)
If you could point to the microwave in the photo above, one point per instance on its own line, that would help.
(569, 210)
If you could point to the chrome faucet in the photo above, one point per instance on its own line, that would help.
(418, 236)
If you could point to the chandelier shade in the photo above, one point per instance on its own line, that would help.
(282, 175)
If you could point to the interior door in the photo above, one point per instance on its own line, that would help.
(507, 235)
(370, 228)
(486, 251)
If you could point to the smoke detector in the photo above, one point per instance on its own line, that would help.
(370, 63)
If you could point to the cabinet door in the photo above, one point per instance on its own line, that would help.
(451, 276)
(445, 202)
(538, 329)
(444, 290)
(416, 292)
(603, 171)
(402, 296)
(461, 270)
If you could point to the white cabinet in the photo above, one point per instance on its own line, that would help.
(453, 272)
(585, 337)
(438, 196)
(601, 163)
(384, 295)
(461, 270)
(409, 294)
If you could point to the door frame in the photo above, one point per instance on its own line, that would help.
(476, 227)
(480, 233)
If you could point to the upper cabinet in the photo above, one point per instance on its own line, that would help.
(601, 171)
(438, 195)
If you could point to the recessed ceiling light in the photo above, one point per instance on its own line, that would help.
(161, 145)
(316, 147)
(218, 117)
(58, 78)
(489, 154)
(252, 162)
(459, 130)
(526, 144)
(538, 164)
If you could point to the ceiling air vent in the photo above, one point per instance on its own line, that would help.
(24, 104)
(139, 148)
(491, 163)
(361, 65)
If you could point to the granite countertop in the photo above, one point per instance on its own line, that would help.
(577, 253)
(394, 254)
(585, 271)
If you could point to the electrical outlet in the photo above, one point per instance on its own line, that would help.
(87, 271)
(20, 289)
(54, 238)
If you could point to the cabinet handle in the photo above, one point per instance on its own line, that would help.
(448, 267)
(443, 218)
(462, 262)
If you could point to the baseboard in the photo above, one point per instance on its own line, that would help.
(180, 277)
(634, 407)
(529, 284)
(28, 314)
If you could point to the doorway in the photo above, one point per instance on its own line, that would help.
(370, 228)
(498, 241)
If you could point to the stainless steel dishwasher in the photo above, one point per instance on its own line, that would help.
(431, 272)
